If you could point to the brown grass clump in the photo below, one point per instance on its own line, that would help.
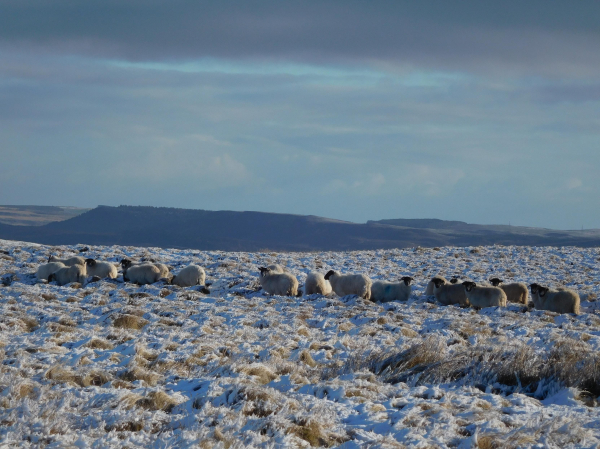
(48, 296)
(99, 343)
(345, 327)
(128, 426)
(137, 373)
(130, 322)
(315, 434)
(25, 390)
(71, 299)
(157, 400)
(262, 373)
(94, 378)
(307, 358)
(60, 374)
(303, 331)
(408, 332)
(30, 324)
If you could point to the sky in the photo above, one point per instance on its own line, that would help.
(480, 111)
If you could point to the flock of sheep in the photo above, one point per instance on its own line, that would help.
(275, 280)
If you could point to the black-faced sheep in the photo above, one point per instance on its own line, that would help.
(555, 300)
(142, 274)
(449, 294)
(350, 284)
(515, 291)
(47, 269)
(163, 269)
(101, 269)
(75, 260)
(430, 285)
(190, 276)
(382, 291)
(66, 275)
(484, 296)
(316, 284)
(283, 284)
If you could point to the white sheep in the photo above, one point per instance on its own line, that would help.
(430, 285)
(316, 283)
(142, 274)
(449, 294)
(559, 300)
(350, 284)
(515, 291)
(164, 270)
(283, 284)
(484, 296)
(66, 275)
(75, 260)
(47, 269)
(276, 268)
(382, 291)
(101, 269)
(190, 276)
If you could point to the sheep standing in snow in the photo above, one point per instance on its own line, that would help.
(430, 285)
(484, 296)
(101, 269)
(190, 276)
(350, 284)
(142, 274)
(316, 283)
(382, 291)
(515, 291)
(47, 269)
(560, 300)
(66, 275)
(449, 294)
(283, 284)
(75, 260)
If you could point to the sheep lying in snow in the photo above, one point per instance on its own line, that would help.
(101, 269)
(560, 300)
(66, 275)
(382, 291)
(75, 260)
(449, 294)
(484, 296)
(142, 274)
(515, 291)
(190, 276)
(47, 269)
(283, 284)
(316, 283)
(430, 285)
(163, 269)
(350, 284)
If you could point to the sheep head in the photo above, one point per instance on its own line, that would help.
(90, 262)
(496, 282)
(534, 288)
(438, 282)
(407, 280)
(542, 290)
(453, 280)
(264, 271)
(469, 285)
(126, 263)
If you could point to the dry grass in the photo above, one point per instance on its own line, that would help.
(305, 357)
(130, 322)
(315, 433)
(99, 343)
(61, 374)
(157, 400)
(137, 373)
(263, 374)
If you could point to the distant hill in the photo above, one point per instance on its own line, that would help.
(260, 231)
(37, 215)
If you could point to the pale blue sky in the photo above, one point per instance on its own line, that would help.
(350, 110)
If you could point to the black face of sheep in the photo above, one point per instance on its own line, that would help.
(407, 280)
(126, 263)
(51, 278)
(469, 285)
(534, 288)
(453, 280)
(542, 290)
(329, 274)
(90, 262)
(438, 282)
(263, 271)
(496, 282)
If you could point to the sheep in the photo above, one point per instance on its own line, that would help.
(484, 296)
(101, 269)
(276, 268)
(75, 260)
(190, 276)
(66, 275)
(142, 274)
(350, 284)
(47, 269)
(449, 294)
(382, 291)
(283, 284)
(316, 283)
(559, 300)
(515, 291)
(430, 285)
(164, 270)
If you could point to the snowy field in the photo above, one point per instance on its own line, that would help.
(110, 364)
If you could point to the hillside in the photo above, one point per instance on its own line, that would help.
(255, 231)
(37, 215)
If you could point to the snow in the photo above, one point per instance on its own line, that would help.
(237, 368)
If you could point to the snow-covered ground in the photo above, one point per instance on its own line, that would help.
(116, 365)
